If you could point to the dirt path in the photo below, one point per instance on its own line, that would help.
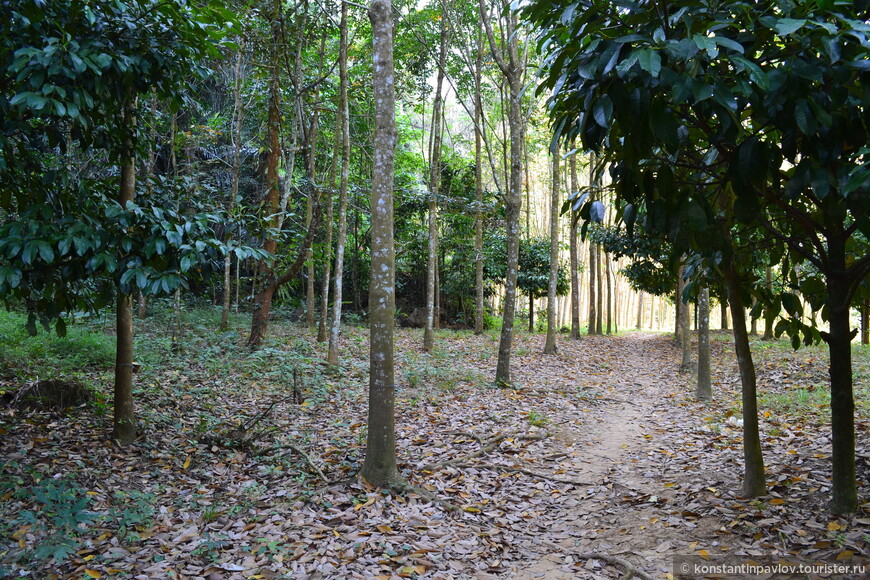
(613, 446)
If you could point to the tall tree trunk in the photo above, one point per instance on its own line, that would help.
(704, 389)
(142, 311)
(326, 277)
(124, 421)
(552, 303)
(434, 190)
(753, 325)
(609, 293)
(844, 495)
(271, 202)
(379, 467)
(531, 314)
(723, 314)
(593, 294)
(512, 69)
(341, 238)
(574, 257)
(683, 323)
(238, 113)
(478, 188)
(639, 324)
(599, 277)
(753, 461)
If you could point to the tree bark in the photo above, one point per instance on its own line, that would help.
(434, 190)
(552, 304)
(593, 294)
(479, 304)
(844, 495)
(723, 314)
(607, 268)
(124, 420)
(238, 113)
(379, 467)
(865, 321)
(326, 278)
(753, 461)
(531, 314)
(599, 294)
(704, 390)
(574, 257)
(639, 323)
(768, 318)
(683, 323)
(512, 69)
(341, 236)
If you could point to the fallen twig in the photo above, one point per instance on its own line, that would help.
(299, 452)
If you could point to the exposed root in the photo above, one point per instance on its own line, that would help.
(405, 487)
(630, 570)
(486, 446)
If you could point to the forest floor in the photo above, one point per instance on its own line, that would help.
(599, 463)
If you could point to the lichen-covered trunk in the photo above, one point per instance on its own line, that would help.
(550, 345)
(379, 467)
(753, 461)
(124, 420)
(704, 390)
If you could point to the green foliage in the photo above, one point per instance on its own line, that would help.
(533, 277)
(46, 355)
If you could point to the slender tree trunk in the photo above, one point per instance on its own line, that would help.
(753, 461)
(238, 113)
(704, 390)
(552, 303)
(768, 318)
(683, 323)
(865, 321)
(344, 115)
(609, 293)
(639, 324)
(723, 314)
(434, 190)
(479, 303)
(531, 314)
(512, 69)
(599, 277)
(142, 311)
(574, 256)
(124, 423)
(379, 467)
(753, 325)
(323, 323)
(593, 294)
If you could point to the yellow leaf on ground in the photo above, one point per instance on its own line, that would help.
(834, 526)
(92, 573)
(704, 554)
(471, 510)
(384, 529)
(777, 501)
(845, 555)
(186, 463)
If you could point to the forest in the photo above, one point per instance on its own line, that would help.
(435, 289)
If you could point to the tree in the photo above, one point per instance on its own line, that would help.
(512, 67)
(379, 467)
(555, 204)
(72, 76)
(770, 112)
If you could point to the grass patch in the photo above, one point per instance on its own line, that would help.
(47, 355)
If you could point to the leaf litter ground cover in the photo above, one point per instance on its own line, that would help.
(598, 464)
